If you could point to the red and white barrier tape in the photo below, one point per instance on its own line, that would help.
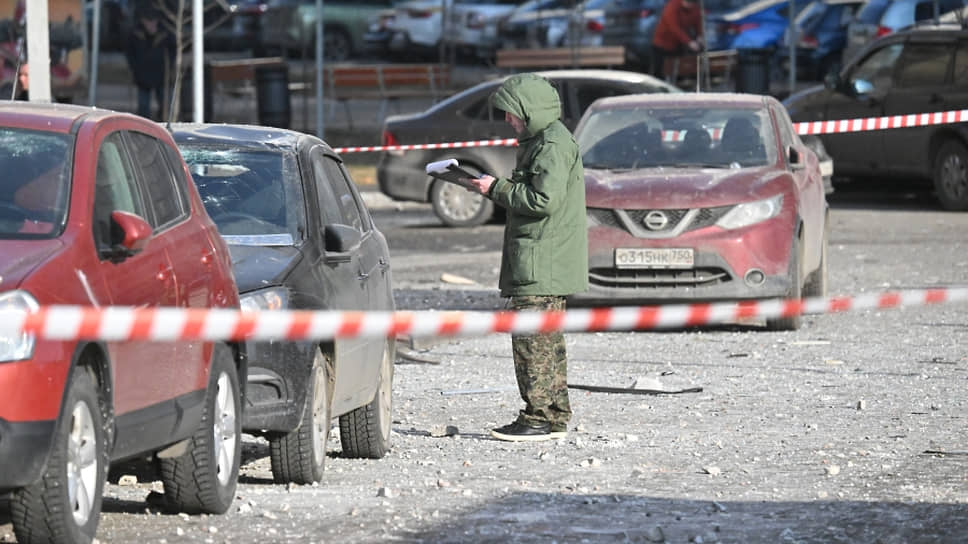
(165, 324)
(451, 145)
(806, 128)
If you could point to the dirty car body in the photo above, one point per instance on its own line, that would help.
(301, 239)
(97, 210)
(700, 197)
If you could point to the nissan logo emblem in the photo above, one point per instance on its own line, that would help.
(655, 220)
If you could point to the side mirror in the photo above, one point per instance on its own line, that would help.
(341, 238)
(135, 231)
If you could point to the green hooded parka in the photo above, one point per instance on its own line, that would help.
(546, 233)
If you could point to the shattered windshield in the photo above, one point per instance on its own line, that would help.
(35, 181)
(675, 137)
(254, 197)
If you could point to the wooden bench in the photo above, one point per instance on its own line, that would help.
(682, 70)
(385, 82)
(562, 57)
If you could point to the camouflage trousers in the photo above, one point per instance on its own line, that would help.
(541, 367)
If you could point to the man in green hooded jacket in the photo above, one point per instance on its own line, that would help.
(545, 256)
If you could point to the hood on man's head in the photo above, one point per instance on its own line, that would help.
(531, 98)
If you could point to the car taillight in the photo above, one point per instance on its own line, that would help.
(594, 26)
(645, 14)
(419, 13)
(882, 31)
(389, 138)
(809, 42)
(744, 27)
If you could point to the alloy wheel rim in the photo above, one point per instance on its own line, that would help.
(320, 423)
(82, 463)
(954, 176)
(386, 392)
(226, 439)
(459, 204)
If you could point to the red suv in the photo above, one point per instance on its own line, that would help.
(96, 209)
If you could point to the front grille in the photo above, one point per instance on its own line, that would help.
(657, 279)
(679, 220)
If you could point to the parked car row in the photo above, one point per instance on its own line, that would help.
(100, 208)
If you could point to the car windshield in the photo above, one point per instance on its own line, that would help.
(254, 197)
(676, 137)
(35, 184)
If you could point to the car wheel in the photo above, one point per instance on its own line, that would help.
(65, 504)
(298, 456)
(951, 176)
(816, 285)
(365, 432)
(203, 479)
(458, 207)
(796, 289)
(337, 45)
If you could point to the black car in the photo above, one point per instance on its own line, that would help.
(910, 72)
(469, 116)
(301, 238)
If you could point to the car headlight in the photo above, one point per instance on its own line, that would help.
(750, 213)
(21, 346)
(275, 298)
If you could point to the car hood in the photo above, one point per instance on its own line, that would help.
(19, 257)
(675, 187)
(256, 267)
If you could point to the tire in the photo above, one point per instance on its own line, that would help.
(365, 432)
(458, 207)
(337, 45)
(796, 289)
(299, 455)
(816, 285)
(65, 504)
(203, 479)
(951, 176)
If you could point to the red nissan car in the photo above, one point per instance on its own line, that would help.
(97, 209)
(700, 197)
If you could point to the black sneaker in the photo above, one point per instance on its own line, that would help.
(522, 432)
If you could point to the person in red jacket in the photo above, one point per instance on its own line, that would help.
(679, 31)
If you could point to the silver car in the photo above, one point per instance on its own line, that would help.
(469, 116)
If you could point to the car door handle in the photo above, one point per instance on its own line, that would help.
(935, 99)
(363, 276)
(384, 264)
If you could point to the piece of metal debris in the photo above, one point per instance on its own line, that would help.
(632, 390)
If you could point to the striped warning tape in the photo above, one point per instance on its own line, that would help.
(806, 128)
(165, 324)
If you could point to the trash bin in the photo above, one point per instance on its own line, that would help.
(187, 98)
(753, 71)
(272, 95)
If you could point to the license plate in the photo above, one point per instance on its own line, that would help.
(672, 257)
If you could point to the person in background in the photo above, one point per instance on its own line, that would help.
(150, 51)
(545, 252)
(22, 88)
(678, 32)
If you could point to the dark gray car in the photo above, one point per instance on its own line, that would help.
(906, 73)
(469, 116)
(301, 239)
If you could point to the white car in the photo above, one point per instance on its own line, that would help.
(416, 25)
(474, 25)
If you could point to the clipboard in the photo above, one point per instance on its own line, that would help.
(450, 170)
